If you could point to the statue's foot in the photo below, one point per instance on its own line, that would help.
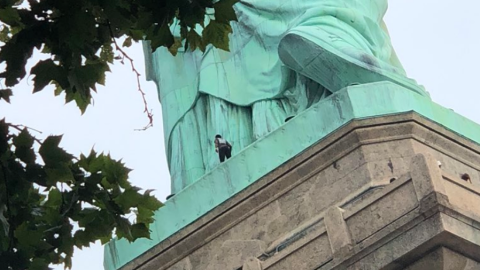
(334, 68)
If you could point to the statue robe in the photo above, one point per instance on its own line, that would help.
(247, 92)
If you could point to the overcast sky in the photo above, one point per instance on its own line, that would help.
(438, 43)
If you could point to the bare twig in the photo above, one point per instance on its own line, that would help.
(22, 127)
(139, 89)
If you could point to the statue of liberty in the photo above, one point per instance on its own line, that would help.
(285, 55)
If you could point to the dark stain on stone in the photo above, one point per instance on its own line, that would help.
(390, 165)
(335, 165)
(260, 235)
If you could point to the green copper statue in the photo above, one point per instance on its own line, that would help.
(285, 55)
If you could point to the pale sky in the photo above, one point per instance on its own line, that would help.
(438, 42)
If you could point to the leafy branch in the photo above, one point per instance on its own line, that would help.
(78, 38)
(124, 56)
(22, 127)
(44, 193)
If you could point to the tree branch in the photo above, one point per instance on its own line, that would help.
(21, 127)
(139, 88)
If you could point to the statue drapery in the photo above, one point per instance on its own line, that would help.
(284, 56)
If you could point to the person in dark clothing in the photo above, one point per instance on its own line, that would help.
(223, 148)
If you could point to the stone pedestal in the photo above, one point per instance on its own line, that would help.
(391, 192)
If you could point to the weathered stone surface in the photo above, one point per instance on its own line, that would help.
(296, 205)
(455, 159)
(233, 254)
(386, 255)
(256, 225)
(370, 196)
(184, 264)
(426, 176)
(252, 263)
(337, 230)
(329, 190)
(463, 194)
(384, 211)
(444, 259)
(309, 256)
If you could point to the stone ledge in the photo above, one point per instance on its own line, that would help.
(173, 237)
(429, 226)
(443, 258)
(361, 151)
(434, 222)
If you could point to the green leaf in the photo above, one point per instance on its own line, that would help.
(16, 52)
(25, 154)
(28, 236)
(51, 153)
(124, 229)
(58, 89)
(57, 161)
(46, 50)
(82, 24)
(92, 163)
(176, 45)
(54, 198)
(23, 139)
(60, 173)
(82, 239)
(101, 225)
(145, 215)
(216, 33)
(88, 215)
(39, 264)
(5, 34)
(160, 36)
(116, 12)
(150, 202)
(137, 35)
(82, 100)
(115, 172)
(140, 230)
(127, 42)
(128, 199)
(23, 147)
(106, 54)
(195, 41)
(35, 173)
(84, 78)
(5, 94)
(224, 11)
(192, 15)
(46, 71)
(145, 21)
(10, 16)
